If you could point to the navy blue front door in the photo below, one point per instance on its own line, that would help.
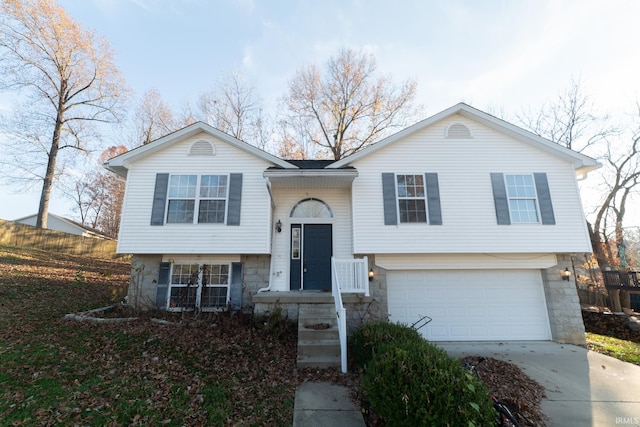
(311, 250)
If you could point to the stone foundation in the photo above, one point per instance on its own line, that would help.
(358, 307)
(563, 305)
(255, 276)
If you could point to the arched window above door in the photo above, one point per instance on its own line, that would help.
(311, 208)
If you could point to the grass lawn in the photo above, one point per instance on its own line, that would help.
(219, 370)
(626, 351)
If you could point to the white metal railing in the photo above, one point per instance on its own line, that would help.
(341, 314)
(348, 275)
(352, 275)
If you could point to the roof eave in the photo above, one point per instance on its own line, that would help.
(310, 178)
(119, 170)
(309, 173)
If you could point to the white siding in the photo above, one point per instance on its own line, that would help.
(285, 200)
(468, 214)
(250, 237)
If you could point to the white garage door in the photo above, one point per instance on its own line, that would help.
(471, 305)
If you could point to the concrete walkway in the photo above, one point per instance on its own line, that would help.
(584, 388)
(325, 404)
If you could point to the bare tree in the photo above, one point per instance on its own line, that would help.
(98, 196)
(569, 121)
(153, 118)
(346, 108)
(70, 80)
(234, 108)
(620, 179)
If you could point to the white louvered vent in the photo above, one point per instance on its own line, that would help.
(458, 131)
(202, 148)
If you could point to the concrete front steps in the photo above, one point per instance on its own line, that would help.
(318, 338)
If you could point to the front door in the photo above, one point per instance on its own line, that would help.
(311, 250)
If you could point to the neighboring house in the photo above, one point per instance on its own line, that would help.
(462, 217)
(58, 223)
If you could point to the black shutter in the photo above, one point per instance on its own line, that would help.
(544, 199)
(159, 199)
(235, 293)
(235, 198)
(389, 199)
(433, 198)
(163, 285)
(500, 199)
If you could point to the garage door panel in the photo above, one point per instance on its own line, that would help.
(471, 304)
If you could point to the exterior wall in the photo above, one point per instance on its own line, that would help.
(252, 236)
(563, 305)
(468, 213)
(255, 275)
(144, 278)
(340, 203)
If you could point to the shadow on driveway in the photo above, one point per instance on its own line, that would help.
(583, 388)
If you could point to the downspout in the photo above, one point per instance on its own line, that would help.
(268, 288)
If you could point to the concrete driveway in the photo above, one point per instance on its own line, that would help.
(584, 388)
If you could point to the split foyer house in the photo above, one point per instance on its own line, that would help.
(462, 217)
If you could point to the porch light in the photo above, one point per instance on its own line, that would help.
(371, 275)
(279, 226)
(566, 274)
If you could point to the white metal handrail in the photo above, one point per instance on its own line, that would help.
(341, 314)
(348, 275)
(352, 275)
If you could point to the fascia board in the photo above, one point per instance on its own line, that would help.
(310, 173)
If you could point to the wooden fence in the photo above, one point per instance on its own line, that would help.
(27, 236)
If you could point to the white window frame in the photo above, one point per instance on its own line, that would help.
(516, 215)
(197, 198)
(422, 198)
(199, 286)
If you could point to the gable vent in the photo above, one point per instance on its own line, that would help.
(202, 148)
(458, 131)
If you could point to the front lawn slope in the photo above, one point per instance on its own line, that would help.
(217, 370)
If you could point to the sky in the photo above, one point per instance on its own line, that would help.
(496, 55)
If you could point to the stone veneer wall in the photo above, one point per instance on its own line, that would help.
(563, 305)
(144, 278)
(255, 275)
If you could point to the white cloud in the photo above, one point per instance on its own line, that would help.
(247, 57)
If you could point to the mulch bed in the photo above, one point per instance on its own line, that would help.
(603, 323)
(509, 384)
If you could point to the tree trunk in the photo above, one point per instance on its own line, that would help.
(596, 245)
(625, 299)
(614, 300)
(47, 182)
